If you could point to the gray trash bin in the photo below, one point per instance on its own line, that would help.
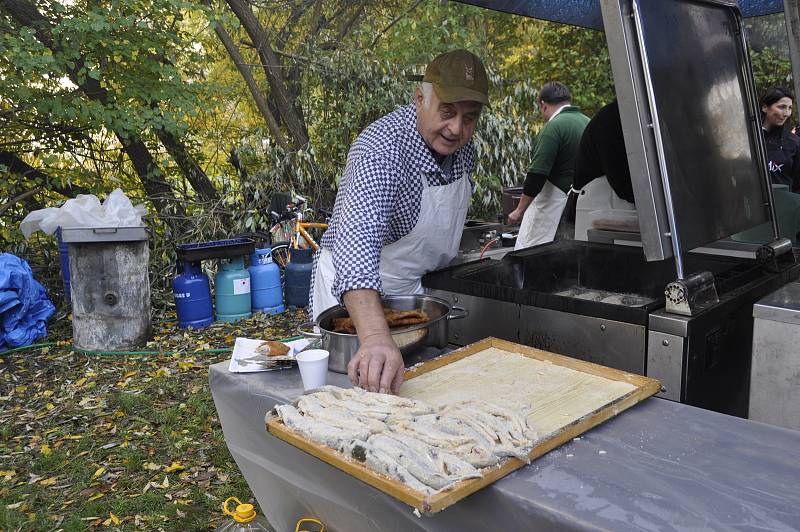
(110, 287)
(775, 375)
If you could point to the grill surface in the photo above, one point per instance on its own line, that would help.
(592, 279)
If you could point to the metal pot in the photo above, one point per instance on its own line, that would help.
(410, 340)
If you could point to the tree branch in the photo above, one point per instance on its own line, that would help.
(271, 64)
(21, 197)
(395, 21)
(18, 166)
(247, 74)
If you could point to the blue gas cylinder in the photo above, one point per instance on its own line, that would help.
(232, 285)
(63, 256)
(298, 277)
(266, 291)
(192, 296)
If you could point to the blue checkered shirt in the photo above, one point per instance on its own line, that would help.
(379, 196)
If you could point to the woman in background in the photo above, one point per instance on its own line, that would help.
(783, 146)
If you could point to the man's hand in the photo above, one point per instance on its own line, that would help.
(515, 216)
(377, 365)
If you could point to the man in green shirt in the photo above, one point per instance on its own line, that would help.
(552, 167)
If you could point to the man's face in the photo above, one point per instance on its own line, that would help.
(446, 126)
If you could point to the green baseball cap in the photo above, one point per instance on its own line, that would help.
(457, 76)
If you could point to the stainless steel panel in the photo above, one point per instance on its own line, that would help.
(610, 343)
(637, 128)
(487, 317)
(775, 374)
(701, 91)
(665, 363)
(782, 305)
(662, 321)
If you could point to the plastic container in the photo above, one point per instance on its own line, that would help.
(232, 285)
(110, 287)
(298, 277)
(63, 255)
(243, 519)
(192, 296)
(266, 289)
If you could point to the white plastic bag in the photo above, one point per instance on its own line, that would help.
(85, 211)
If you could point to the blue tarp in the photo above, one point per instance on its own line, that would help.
(24, 306)
(586, 13)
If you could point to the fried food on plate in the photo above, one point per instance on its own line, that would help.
(272, 349)
(395, 318)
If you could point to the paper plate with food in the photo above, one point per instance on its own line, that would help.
(250, 355)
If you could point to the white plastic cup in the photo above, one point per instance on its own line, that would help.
(313, 364)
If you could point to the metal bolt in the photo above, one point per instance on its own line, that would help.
(665, 343)
(603, 327)
(455, 299)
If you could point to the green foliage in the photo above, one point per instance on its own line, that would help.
(770, 69)
(545, 51)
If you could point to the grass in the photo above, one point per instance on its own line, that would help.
(119, 442)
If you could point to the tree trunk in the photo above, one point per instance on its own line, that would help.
(200, 182)
(272, 68)
(247, 74)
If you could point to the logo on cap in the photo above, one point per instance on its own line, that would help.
(469, 73)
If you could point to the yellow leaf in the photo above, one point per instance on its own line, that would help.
(50, 406)
(73, 437)
(45, 450)
(129, 374)
(7, 474)
(99, 472)
(95, 497)
(114, 518)
(48, 481)
(80, 382)
(185, 365)
(21, 389)
(165, 484)
(47, 393)
(175, 466)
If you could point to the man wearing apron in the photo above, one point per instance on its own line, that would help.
(400, 209)
(551, 169)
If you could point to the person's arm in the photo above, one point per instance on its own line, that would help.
(544, 157)
(377, 365)
(370, 196)
(533, 185)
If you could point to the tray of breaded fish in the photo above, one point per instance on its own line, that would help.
(461, 422)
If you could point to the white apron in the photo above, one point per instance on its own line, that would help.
(540, 221)
(431, 244)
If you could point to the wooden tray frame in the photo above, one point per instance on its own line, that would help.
(645, 387)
